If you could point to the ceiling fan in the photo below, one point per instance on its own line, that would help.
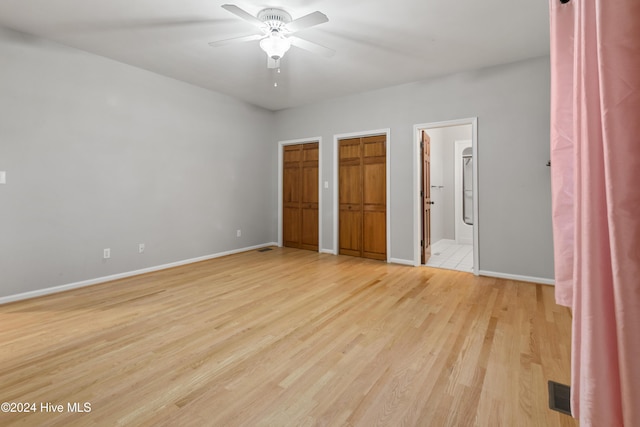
(277, 29)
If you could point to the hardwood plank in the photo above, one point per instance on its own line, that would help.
(289, 337)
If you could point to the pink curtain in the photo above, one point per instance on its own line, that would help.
(595, 171)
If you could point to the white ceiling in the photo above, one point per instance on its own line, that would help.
(378, 43)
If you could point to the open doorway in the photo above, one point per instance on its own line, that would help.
(445, 225)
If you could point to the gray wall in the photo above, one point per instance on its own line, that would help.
(512, 106)
(99, 154)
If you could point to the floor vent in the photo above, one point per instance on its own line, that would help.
(264, 250)
(560, 397)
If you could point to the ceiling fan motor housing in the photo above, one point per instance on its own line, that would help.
(275, 19)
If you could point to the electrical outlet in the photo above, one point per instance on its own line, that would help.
(107, 253)
(3, 177)
(238, 233)
(141, 248)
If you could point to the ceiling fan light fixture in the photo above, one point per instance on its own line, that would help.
(275, 45)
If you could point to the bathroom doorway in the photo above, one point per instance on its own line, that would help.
(445, 231)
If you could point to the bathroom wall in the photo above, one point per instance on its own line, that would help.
(443, 175)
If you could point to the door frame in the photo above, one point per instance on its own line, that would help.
(336, 206)
(417, 203)
(281, 145)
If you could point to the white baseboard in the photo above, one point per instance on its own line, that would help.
(518, 277)
(61, 288)
(402, 261)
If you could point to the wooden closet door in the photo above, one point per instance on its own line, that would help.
(350, 196)
(309, 197)
(362, 197)
(291, 221)
(374, 181)
(300, 196)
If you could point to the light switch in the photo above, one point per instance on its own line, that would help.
(326, 184)
(3, 177)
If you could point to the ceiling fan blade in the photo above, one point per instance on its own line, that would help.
(143, 24)
(243, 14)
(307, 21)
(273, 63)
(236, 40)
(312, 47)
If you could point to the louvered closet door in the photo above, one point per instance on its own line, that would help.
(300, 196)
(362, 197)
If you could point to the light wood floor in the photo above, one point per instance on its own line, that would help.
(289, 338)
